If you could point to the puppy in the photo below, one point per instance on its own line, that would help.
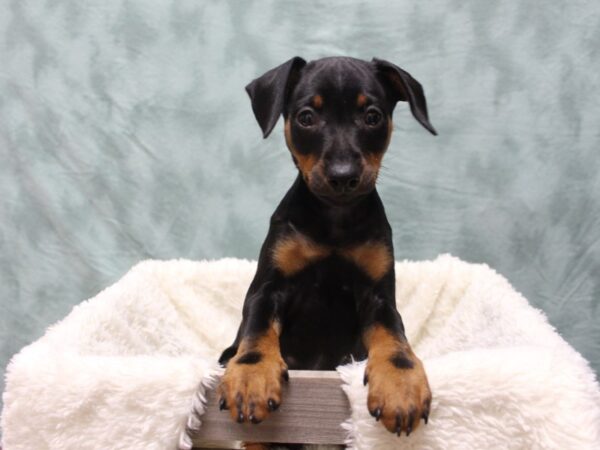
(324, 289)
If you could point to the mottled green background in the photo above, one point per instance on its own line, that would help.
(125, 133)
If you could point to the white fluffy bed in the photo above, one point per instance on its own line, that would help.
(121, 370)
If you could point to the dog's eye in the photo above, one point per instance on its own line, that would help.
(372, 117)
(306, 118)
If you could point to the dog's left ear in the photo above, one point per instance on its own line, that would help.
(406, 89)
(269, 92)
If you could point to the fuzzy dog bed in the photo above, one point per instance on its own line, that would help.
(121, 370)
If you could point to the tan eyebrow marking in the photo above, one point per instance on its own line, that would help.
(361, 100)
(317, 101)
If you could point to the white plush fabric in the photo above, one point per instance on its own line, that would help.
(120, 372)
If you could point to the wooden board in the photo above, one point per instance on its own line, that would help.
(312, 409)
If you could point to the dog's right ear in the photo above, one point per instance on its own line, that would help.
(269, 92)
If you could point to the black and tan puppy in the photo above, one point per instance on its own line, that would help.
(324, 289)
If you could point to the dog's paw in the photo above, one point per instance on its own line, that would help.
(251, 386)
(399, 393)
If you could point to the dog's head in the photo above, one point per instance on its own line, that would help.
(338, 118)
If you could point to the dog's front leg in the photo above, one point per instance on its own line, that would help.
(399, 393)
(251, 385)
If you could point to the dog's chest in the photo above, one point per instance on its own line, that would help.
(293, 254)
(321, 326)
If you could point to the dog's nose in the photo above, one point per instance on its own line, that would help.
(343, 177)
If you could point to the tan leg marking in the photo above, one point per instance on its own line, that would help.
(251, 391)
(293, 253)
(399, 392)
(373, 258)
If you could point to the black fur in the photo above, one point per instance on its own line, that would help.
(324, 309)
(402, 362)
(250, 358)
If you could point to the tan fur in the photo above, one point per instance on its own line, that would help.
(372, 160)
(361, 100)
(395, 390)
(305, 163)
(294, 252)
(382, 344)
(247, 387)
(373, 258)
(255, 446)
(317, 101)
(267, 343)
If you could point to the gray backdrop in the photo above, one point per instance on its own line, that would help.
(125, 133)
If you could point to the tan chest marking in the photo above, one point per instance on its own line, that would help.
(373, 258)
(293, 253)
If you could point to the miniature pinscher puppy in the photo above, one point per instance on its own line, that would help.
(324, 289)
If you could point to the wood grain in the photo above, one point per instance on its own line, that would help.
(312, 410)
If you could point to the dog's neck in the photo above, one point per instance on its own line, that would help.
(320, 218)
